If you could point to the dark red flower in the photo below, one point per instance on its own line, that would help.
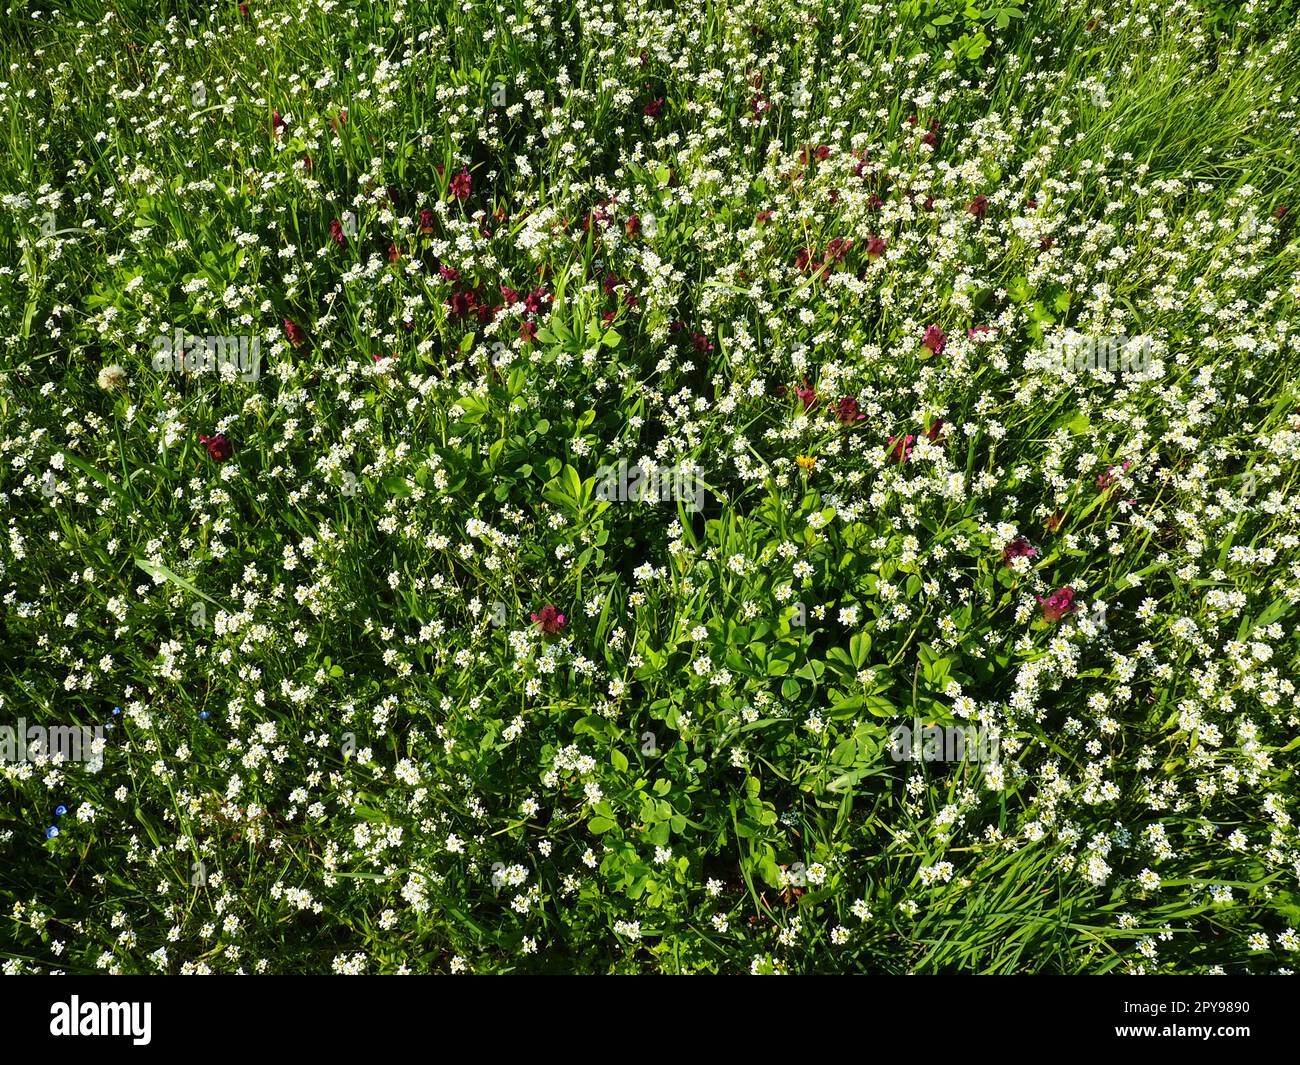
(978, 206)
(900, 449)
(243, 11)
(1107, 479)
(838, 248)
(486, 312)
(277, 122)
(528, 332)
(633, 225)
(549, 620)
(511, 296)
(449, 273)
(538, 300)
(1058, 604)
(341, 119)
(426, 221)
(702, 344)
(1018, 548)
(1054, 522)
(806, 395)
(219, 447)
(460, 305)
(293, 332)
(394, 253)
(934, 434)
(935, 339)
(651, 110)
(763, 217)
(876, 246)
(846, 410)
(461, 184)
(1280, 213)
(337, 235)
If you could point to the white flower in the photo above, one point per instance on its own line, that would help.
(113, 378)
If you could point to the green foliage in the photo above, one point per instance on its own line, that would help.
(351, 736)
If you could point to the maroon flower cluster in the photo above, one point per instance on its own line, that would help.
(549, 620)
(1058, 604)
(1018, 548)
(219, 447)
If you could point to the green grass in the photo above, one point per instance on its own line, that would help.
(323, 644)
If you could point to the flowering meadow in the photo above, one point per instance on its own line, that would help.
(339, 341)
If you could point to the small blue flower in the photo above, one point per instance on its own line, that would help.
(60, 810)
(203, 715)
(116, 710)
(51, 832)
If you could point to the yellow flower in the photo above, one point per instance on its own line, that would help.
(807, 462)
